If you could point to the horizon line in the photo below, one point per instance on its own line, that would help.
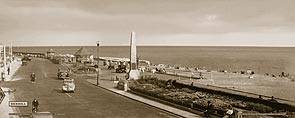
(266, 46)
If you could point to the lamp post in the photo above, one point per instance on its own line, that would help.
(97, 52)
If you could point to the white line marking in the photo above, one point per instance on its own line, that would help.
(68, 95)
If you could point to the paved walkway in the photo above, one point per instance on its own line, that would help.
(110, 85)
(4, 108)
(14, 66)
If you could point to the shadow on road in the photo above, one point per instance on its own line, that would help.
(58, 90)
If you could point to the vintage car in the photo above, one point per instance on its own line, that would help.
(26, 58)
(62, 74)
(24, 63)
(68, 85)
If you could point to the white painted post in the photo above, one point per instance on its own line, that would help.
(11, 51)
(1, 49)
(10, 57)
(125, 86)
(4, 61)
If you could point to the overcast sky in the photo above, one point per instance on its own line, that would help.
(156, 22)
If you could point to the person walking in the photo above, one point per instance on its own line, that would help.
(8, 70)
(35, 105)
(33, 77)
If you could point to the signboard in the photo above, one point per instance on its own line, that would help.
(18, 103)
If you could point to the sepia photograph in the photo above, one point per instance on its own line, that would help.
(147, 59)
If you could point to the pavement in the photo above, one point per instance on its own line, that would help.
(14, 66)
(4, 108)
(87, 101)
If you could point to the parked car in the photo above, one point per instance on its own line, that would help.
(62, 74)
(24, 63)
(68, 85)
(26, 58)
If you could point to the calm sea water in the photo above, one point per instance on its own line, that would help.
(260, 59)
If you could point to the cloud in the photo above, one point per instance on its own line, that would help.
(173, 22)
(227, 39)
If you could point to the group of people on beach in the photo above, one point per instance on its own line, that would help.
(282, 74)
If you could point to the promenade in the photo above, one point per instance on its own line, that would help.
(4, 107)
(14, 66)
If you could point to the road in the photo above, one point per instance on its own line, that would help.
(88, 101)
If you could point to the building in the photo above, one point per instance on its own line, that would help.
(50, 54)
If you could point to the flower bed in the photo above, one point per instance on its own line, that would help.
(165, 90)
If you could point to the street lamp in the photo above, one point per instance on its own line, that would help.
(97, 52)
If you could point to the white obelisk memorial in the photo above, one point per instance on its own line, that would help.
(133, 73)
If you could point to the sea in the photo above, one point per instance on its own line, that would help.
(272, 60)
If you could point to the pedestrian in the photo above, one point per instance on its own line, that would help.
(33, 77)
(8, 70)
(117, 79)
(35, 105)
(3, 76)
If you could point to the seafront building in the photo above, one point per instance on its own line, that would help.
(50, 54)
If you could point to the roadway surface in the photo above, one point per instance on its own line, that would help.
(88, 101)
